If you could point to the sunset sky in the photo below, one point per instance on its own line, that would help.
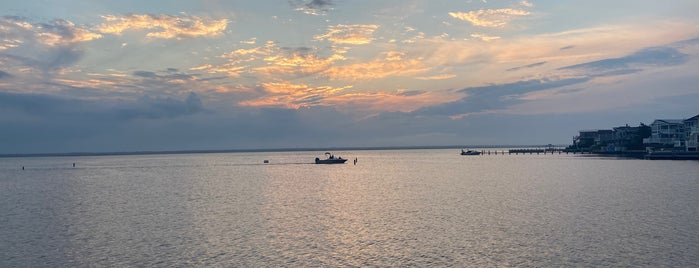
(97, 76)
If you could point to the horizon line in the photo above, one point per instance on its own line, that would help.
(256, 150)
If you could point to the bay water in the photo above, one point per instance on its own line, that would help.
(394, 208)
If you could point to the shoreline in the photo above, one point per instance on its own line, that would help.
(515, 149)
(263, 150)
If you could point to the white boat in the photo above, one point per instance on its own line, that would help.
(331, 159)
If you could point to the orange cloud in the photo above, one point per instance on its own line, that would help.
(163, 26)
(64, 32)
(290, 95)
(357, 34)
(231, 88)
(86, 83)
(230, 69)
(56, 33)
(294, 96)
(250, 41)
(436, 77)
(392, 65)
(484, 37)
(416, 38)
(270, 60)
(297, 63)
(267, 49)
(493, 18)
(236, 57)
(386, 101)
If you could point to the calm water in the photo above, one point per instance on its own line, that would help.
(394, 208)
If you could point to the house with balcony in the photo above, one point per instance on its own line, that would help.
(667, 133)
(692, 128)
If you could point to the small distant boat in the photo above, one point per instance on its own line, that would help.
(331, 159)
(470, 152)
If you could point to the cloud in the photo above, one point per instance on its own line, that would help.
(375, 102)
(172, 75)
(319, 4)
(293, 96)
(273, 61)
(300, 56)
(237, 60)
(567, 47)
(653, 56)
(485, 38)
(45, 47)
(312, 7)
(686, 43)
(652, 92)
(43, 123)
(537, 64)
(250, 41)
(497, 96)
(491, 18)
(230, 69)
(17, 31)
(45, 59)
(478, 62)
(38, 105)
(47, 107)
(419, 36)
(126, 85)
(4, 75)
(153, 108)
(357, 34)
(393, 64)
(296, 62)
(63, 32)
(145, 74)
(163, 26)
(436, 77)
(525, 3)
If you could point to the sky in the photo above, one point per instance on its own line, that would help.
(133, 75)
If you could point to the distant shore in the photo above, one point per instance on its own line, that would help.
(262, 150)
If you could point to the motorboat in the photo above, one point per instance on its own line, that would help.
(330, 159)
(470, 152)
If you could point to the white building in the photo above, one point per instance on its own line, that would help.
(692, 128)
(676, 133)
(668, 132)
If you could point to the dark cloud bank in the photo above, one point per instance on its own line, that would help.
(47, 124)
(44, 124)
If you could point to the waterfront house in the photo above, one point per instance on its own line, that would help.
(691, 126)
(585, 140)
(589, 140)
(667, 133)
(630, 138)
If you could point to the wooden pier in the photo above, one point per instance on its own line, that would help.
(561, 150)
(636, 154)
(531, 151)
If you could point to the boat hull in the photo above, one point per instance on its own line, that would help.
(331, 161)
